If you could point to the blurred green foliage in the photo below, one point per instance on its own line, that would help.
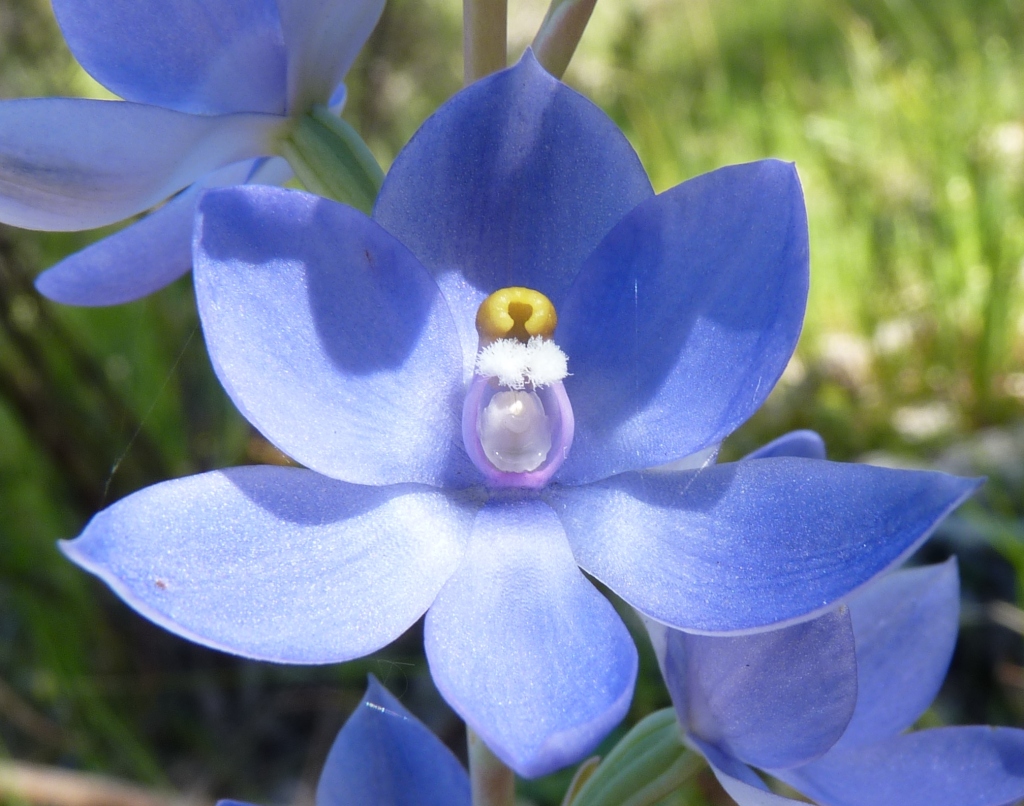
(906, 121)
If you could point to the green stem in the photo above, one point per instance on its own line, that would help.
(331, 159)
(491, 782)
(484, 38)
(560, 33)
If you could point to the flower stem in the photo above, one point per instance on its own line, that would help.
(492, 783)
(484, 38)
(560, 33)
(331, 159)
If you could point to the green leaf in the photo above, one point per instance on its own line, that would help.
(649, 763)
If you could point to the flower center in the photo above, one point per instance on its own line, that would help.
(517, 423)
(514, 432)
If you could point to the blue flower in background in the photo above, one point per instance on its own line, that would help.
(351, 344)
(384, 756)
(822, 705)
(208, 86)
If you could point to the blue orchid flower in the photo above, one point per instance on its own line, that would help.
(209, 87)
(384, 756)
(434, 489)
(822, 705)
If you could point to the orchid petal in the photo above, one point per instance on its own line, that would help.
(277, 563)
(906, 625)
(71, 164)
(513, 182)
(323, 38)
(524, 648)
(330, 337)
(130, 264)
(384, 756)
(774, 699)
(960, 766)
(149, 254)
(739, 547)
(798, 444)
(740, 782)
(681, 322)
(201, 56)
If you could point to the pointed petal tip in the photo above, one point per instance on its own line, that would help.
(529, 60)
(569, 746)
(377, 694)
(66, 288)
(73, 550)
(769, 169)
(562, 749)
(47, 285)
(961, 488)
(57, 286)
(66, 548)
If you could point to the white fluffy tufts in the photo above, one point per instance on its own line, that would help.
(546, 363)
(539, 363)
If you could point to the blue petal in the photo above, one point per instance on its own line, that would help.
(799, 444)
(149, 254)
(277, 563)
(775, 699)
(384, 756)
(745, 545)
(323, 38)
(524, 648)
(963, 766)
(513, 182)
(71, 164)
(202, 56)
(330, 337)
(130, 264)
(681, 322)
(740, 782)
(905, 625)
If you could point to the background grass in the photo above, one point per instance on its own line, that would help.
(906, 121)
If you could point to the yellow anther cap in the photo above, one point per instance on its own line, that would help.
(515, 313)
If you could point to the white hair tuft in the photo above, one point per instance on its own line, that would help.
(539, 363)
